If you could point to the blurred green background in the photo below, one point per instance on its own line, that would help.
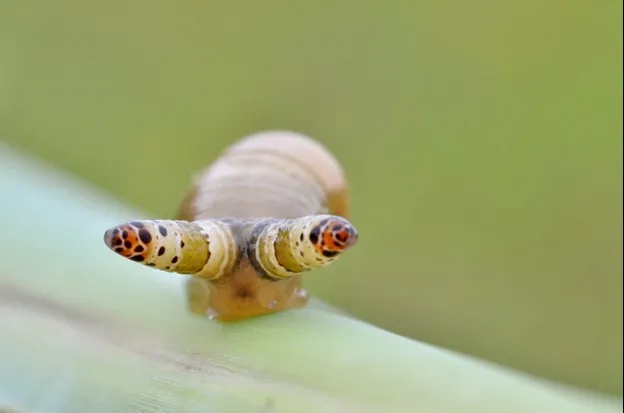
(482, 140)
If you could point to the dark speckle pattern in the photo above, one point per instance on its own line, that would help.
(145, 236)
(314, 234)
(332, 236)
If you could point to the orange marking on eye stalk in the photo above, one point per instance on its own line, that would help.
(318, 248)
(342, 235)
(329, 243)
(129, 242)
(335, 237)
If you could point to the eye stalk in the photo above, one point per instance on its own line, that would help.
(284, 248)
(205, 249)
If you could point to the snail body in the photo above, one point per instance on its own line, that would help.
(270, 208)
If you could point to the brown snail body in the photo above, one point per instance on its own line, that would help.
(271, 207)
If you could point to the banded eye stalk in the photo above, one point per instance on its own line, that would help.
(211, 249)
(206, 249)
(282, 248)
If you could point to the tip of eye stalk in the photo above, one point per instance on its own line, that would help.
(121, 240)
(109, 238)
(333, 236)
(128, 241)
(344, 235)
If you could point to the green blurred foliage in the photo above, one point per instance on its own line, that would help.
(482, 141)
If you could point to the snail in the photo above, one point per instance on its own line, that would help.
(270, 208)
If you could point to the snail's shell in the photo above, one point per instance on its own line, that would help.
(278, 174)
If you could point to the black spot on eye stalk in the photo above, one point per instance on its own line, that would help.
(128, 244)
(137, 224)
(330, 254)
(314, 234)
(145, 236)
(161, 251)
(162, 230)
(139, 248)
(137, 258)
(174, 259)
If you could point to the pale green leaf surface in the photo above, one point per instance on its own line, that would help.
(83, 330)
